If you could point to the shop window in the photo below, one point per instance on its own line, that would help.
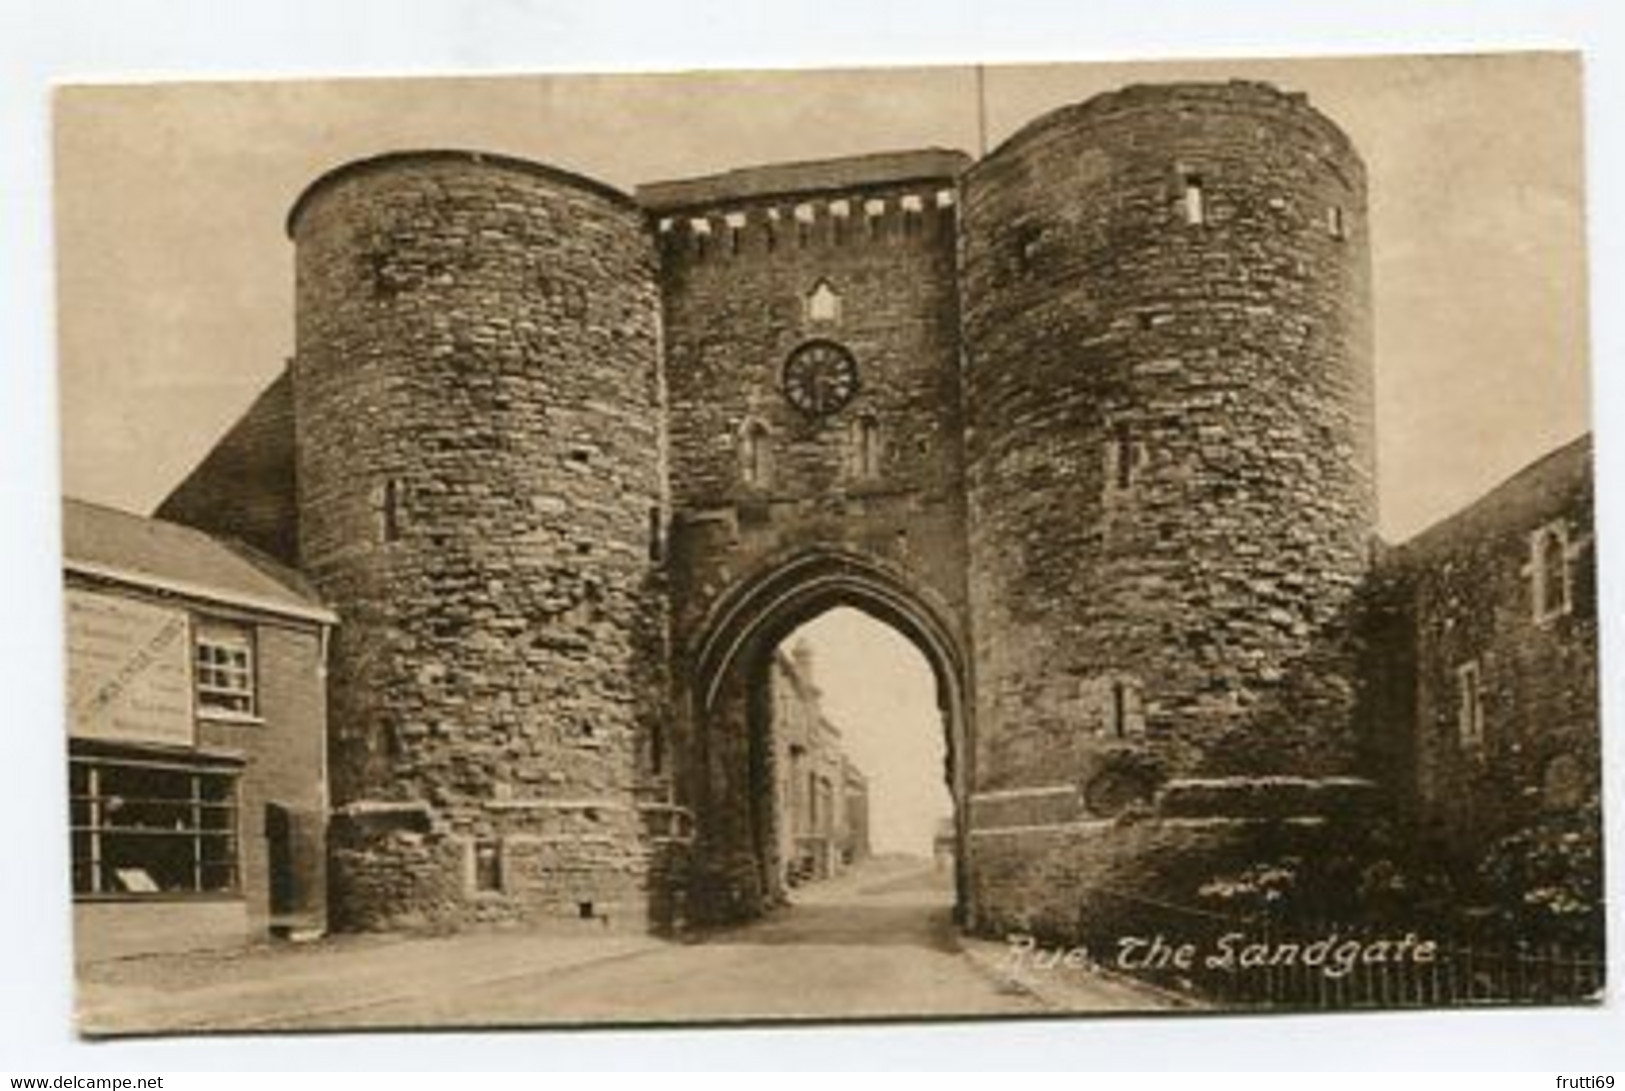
(152, 829)
(1470, 705)
(224, 668)
(1550, 572)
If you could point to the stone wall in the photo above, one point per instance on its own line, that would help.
(1466, 594)
(478, 405)
(754, 264)
(245, 487)
(1109, 462)
(1168, 433)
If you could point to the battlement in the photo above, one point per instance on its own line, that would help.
(924, 213)
(890, 196)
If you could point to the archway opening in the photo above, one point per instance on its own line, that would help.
(851, 771)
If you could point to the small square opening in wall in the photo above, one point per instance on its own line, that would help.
(1195, 200)
(1335, 225)
(584, 910)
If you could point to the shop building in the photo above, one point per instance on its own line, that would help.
(197, 739)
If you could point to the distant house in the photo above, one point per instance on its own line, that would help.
(822, 803)
(1485, 679)
(197, 738)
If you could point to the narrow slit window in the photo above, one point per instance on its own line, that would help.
(657, 534)
(863, 456)
(1470, 705)
(390, 504)
(1122, 457)
(1195, 200)
(755, 455)
(868, 447)
(1119, 709)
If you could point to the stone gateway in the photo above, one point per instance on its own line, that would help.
(1089, 421)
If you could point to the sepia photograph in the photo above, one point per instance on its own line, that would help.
(974, 541)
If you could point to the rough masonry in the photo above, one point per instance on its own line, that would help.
(1088, 420)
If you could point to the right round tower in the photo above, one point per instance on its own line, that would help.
(1169, 451)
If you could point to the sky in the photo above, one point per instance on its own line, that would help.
(175, 278)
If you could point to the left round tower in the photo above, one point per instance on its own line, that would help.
(477, 397)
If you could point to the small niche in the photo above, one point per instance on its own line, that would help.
(584, 910)
(487, 865)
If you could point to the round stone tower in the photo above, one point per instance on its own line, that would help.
(479, 415)
(1169, 440)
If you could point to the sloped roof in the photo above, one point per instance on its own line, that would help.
(811, 176)
(117, 545)
(1513, 506)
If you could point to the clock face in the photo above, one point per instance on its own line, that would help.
(820, 378)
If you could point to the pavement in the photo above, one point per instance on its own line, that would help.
(876, 943)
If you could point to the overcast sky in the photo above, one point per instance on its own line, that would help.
(176, 278)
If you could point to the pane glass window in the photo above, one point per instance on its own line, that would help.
(141, 829)
(224, 668)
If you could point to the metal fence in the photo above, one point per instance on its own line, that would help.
(1256, 962)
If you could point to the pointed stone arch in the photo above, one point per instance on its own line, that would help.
(733, 872)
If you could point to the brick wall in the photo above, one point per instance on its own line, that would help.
(286, 765)
(283, 752)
